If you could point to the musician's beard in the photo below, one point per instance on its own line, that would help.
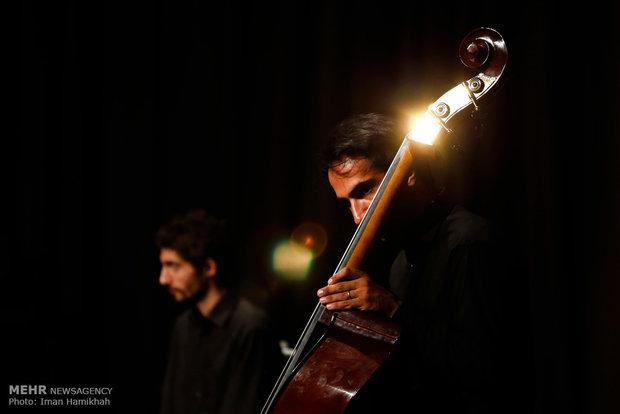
(189, 295)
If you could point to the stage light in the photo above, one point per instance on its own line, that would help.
(424, 129)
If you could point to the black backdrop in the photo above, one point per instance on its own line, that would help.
(132, 111)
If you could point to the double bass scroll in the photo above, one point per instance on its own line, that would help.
(324, 377)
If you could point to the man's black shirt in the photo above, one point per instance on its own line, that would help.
(222, 364)
(444, 360)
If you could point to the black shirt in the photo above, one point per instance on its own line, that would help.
(443, 362)
(225, 363)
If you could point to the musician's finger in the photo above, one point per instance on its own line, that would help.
(333, 293)
(330, 290)
(338, 277)
(341, 305)
(344, 274)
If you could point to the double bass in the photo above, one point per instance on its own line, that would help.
(325, 371)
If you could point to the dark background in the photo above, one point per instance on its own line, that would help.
(130, 112)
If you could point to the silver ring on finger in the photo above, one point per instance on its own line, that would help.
(349, 294)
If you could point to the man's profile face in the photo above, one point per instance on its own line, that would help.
(355, 181)
(179, 276)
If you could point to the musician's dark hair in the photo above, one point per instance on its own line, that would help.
(371, 136)
(196, 236)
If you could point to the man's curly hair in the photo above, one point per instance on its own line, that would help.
(196, 236)
(370, 136)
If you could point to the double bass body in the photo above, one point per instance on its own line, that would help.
(354, 346)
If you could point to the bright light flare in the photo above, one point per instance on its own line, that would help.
(312, 236)
(424, 129)
(292, 261)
